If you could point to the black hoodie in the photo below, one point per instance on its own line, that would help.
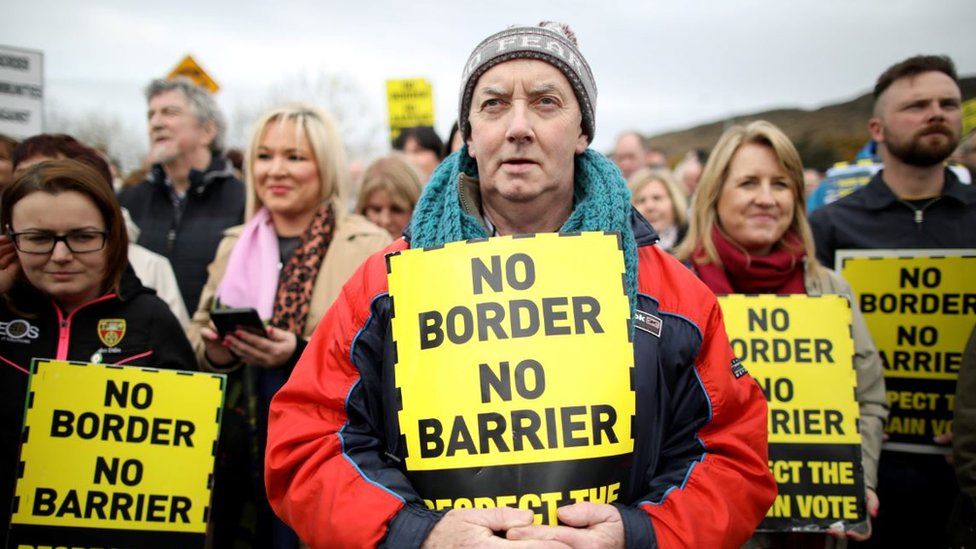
(32, 326)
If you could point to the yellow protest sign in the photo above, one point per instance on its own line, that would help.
(189, 68)
(410, 102)
(920, 306)
(802, 362)
(968, 116)
(116, 456)
(799, 349)
(514, 370)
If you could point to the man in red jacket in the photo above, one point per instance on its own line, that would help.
(337, 464)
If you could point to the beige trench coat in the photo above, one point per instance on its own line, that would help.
(354, 240)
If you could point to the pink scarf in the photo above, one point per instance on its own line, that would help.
(251, 277)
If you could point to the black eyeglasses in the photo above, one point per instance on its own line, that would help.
(40, 242)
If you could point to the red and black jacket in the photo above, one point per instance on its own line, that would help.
(33, 326)
(699, 478)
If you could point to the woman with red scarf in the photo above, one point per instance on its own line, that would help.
(749, 235)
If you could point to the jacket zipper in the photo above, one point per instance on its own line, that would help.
(64, 325)
(465, 204)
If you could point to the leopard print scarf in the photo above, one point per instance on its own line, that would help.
(294, 295)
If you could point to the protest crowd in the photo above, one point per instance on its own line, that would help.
(327, 439)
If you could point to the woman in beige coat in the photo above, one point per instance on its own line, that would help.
(288, 262)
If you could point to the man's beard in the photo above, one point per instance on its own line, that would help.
(915, 152)
(163, 153)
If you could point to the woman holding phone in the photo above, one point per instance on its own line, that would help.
(288, 262)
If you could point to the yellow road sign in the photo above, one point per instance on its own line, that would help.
(189, 68)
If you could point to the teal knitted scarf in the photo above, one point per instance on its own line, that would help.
(601, 198)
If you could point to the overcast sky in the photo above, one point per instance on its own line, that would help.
(658, 65)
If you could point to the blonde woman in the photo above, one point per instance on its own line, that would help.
(749, 234)
(656, 196)
(389, 192)
(288, 261)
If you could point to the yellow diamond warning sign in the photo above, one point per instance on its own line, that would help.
(189, 68)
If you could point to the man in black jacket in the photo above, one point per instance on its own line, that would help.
(191, 194)
(914, 202)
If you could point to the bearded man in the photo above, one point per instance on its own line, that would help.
(914, 202)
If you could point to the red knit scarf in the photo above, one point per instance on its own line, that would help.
(780, 272)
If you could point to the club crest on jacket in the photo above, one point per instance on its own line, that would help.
(111, 331)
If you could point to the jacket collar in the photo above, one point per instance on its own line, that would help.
(644, 233)
(219, 168)
(26, 296)
(878, 195)
(130, 285)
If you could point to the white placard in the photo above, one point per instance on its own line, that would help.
(21, 92)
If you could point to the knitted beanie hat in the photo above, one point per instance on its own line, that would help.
(554, 43)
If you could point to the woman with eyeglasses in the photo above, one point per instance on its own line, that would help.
(67, 292)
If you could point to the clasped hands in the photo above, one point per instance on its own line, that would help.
(583, 525)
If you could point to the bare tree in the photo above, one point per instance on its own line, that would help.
(362, 131)
(103, 130)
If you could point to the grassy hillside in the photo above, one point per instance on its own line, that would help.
(823, 136)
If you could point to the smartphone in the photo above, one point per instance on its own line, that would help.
(228, 321)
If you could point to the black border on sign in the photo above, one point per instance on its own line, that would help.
(115, 537)
(623, 276)
(59, 536)
(903, 253)
(814, 525)
(825, 452)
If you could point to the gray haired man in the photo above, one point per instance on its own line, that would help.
(190, 196)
